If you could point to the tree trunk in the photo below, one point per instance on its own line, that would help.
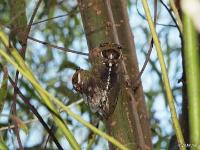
(126, 39)
(106, 21)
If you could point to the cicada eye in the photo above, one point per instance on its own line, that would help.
(119, 47)
(78, 68)
(111, 54)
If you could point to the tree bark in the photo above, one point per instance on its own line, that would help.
(127, 40)
(106, 21)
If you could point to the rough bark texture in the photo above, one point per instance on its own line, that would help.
(126, 39)
(125, 123)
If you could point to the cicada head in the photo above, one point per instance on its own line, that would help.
(110, 53)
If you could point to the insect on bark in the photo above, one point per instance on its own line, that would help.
(101, 84)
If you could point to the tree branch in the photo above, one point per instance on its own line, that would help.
(73, 11)
(57, 47)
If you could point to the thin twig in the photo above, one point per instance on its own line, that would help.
(138, 79)
(73, 11)
(174, 20)
(57, 47)
(32, 17)
(14, 112)
(13, 126)
(52, 129)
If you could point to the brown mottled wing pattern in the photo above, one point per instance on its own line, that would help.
(101, 84)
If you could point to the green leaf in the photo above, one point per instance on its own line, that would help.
(3, 144)
(3, 87)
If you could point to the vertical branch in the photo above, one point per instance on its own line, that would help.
(127, 41)
(175, 10)
(192, 63)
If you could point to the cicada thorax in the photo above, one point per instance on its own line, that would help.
(106, 61)
(102, 84)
